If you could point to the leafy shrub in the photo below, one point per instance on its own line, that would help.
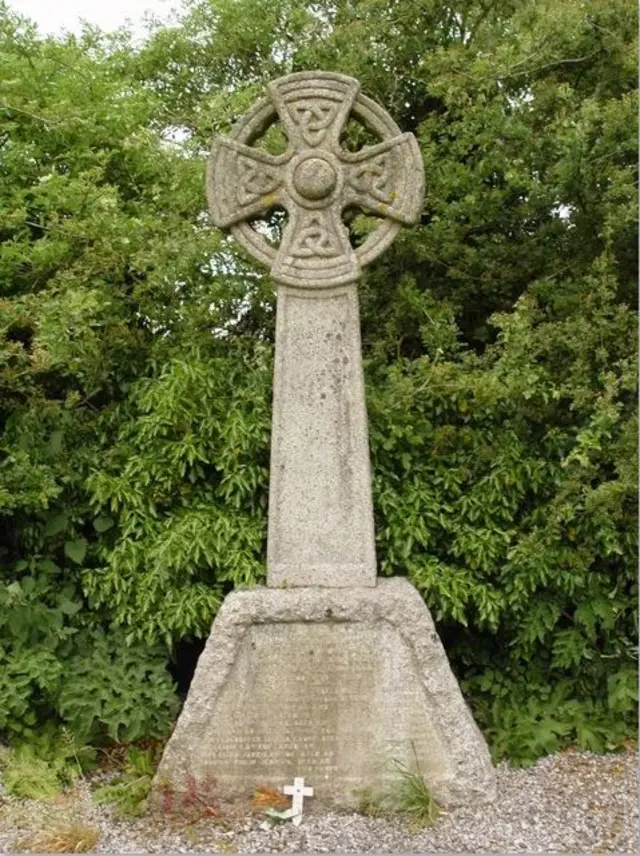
(129, 791)
(90, 680)
(119, 693)
(45, 762)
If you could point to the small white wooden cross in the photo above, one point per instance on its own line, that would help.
(298, 791)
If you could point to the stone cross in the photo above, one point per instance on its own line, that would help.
(320, 509)
(298, 791)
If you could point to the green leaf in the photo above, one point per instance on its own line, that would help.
(103, 523)
(55, 524)
(55, 441)
(76, 550)
(69, 607)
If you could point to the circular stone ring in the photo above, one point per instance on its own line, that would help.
(315, 179)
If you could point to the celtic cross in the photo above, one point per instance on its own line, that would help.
(320, 509)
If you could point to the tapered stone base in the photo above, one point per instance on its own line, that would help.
(331, 685)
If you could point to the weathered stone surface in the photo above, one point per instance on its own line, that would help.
(330, 685)
(315, 179)
(320, 509)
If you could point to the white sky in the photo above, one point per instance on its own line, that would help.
(55, 16)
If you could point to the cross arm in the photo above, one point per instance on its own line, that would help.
(313, 107)
(315, 245)
(242, 182)
(383, 179)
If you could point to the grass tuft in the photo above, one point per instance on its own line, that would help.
(413, 797)
(408, 794)
(65, 838)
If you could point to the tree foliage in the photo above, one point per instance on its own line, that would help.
(499, 339)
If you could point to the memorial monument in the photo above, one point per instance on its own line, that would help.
(327, 673)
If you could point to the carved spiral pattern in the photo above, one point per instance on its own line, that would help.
(315, 179)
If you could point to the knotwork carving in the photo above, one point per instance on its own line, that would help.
(314, 239)
(314, 120)
(254, 180)
(315, 179)
(372, 178)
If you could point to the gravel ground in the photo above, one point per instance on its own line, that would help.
(573, 802)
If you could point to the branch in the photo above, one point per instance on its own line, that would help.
(569, 61)
(36, 225)
(31, 115)
(512, 73)
(482, 17)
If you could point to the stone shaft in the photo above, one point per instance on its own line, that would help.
(320, 508)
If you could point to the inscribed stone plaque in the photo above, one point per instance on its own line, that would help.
(324, 699)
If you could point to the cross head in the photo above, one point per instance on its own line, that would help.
(315, 179)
